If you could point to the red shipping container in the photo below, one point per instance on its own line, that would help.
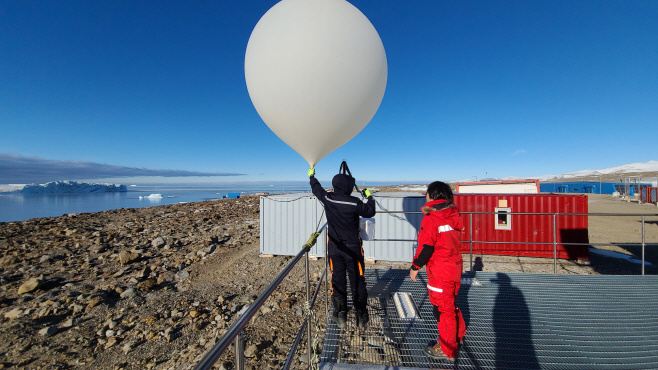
(513, 229)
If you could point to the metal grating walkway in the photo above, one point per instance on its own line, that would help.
(514, 321)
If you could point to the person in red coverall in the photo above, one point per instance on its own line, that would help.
(439, 250)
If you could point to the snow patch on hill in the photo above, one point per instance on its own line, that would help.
(650, 166)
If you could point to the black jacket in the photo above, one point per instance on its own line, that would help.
(342, 209)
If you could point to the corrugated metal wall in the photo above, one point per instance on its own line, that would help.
(395, 226)
(288, 220)
(526, 228)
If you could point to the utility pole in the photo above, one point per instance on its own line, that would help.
(600, 190)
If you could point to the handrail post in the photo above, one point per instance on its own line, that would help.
(239, 352)
(554, 244)
(470, 233)
(642, 245)
(308, 305)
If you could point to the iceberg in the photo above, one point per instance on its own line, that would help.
(152, 196)
(70, 187)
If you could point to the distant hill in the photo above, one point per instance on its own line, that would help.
(618, 173)
(646, 170)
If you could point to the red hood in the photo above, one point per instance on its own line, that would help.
(447, 211)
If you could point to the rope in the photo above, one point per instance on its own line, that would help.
(390, 214)
(312, 319)
(286, 201)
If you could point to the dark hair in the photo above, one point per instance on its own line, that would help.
(439, 190)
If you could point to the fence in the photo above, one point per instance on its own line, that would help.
(555, 228)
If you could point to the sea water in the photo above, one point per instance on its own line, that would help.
(20, 207)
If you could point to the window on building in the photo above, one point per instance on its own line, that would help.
(503, 219)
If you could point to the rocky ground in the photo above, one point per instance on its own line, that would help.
(140, 288)
(154, 287)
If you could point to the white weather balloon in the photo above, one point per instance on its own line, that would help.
(316, 72)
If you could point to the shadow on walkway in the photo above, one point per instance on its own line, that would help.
(512, 328)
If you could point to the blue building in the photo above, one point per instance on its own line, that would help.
(591, 187)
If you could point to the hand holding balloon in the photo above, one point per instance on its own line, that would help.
(311, 172)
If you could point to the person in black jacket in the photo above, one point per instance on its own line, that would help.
(344, 245)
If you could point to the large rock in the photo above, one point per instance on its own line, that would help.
(182, 275)
(111, 342)
(128, 347)
(48, 331)
(128, 293)
(126, 257)
(251, 351)
(166, 277)
(147, 284)
(14, 314)
(94, 302)
(288, 303)
(30, 285)
(143, 273)
(158, 242)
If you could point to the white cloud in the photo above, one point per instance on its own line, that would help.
(519, 151)
(16, 169)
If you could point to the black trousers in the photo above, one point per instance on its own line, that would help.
(347, 260)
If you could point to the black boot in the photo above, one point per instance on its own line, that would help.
(340, 312)
(362, 317)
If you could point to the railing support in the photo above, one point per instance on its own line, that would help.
(642, 245)
(239, 352)
(554, 244)
(326, 267)
(470, 233)
(308, 305)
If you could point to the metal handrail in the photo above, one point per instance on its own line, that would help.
(539, 214)
(554, 242)
(525, 243)
(225, 340)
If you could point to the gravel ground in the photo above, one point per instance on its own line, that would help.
(154, 287)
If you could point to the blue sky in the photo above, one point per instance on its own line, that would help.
(475, 88)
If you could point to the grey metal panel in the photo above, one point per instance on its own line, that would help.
(395, 226)
(287, 221)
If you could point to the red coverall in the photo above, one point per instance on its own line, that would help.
(439, 249)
